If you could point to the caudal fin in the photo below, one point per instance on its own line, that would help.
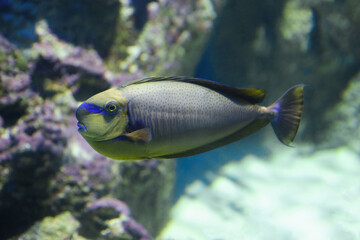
(288, 113)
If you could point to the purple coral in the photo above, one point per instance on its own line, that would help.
(88, 173)
(106, 202)
(5, 143)
(32, 143)
(97, 213)
(131, 227)
(136, 230)
(33, 150)
(17, 83)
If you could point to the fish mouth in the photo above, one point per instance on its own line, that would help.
(81, 127)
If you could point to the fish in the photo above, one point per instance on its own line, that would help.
(175, 117)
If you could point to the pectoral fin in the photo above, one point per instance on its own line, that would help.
(140, 136)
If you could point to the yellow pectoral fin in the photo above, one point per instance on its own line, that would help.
(140, 136)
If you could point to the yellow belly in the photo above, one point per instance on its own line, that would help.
(121, 150)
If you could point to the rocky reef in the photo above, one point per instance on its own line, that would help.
(46, 168)
(62, 226)
(309, 192)
(276, 44)
(54, 55)
(105, 218)
(343, 119)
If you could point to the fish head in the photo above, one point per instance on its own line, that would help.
(103, 116)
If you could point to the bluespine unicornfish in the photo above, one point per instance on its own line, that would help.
(173, 117)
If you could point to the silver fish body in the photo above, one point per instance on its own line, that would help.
(183, 116)
(178, 118)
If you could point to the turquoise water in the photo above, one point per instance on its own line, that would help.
(204, 166)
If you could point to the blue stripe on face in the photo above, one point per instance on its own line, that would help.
(92, 108)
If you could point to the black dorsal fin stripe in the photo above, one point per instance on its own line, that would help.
(244, 95)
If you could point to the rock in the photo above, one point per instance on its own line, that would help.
(33, 137)
(344, 118)
(274, 45)
(61, 66)
(17, 19)
(55, 54)
(291, 195)
(296, 26)
(139, 182)
(42, 172)
(174, 46)
(62, 226)
(109, 218)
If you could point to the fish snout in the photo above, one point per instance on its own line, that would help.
(80, 114)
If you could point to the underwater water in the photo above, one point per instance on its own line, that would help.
(54, 55)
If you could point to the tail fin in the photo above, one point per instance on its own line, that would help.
(288, 113)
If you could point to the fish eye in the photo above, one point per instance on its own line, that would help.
(112, 107)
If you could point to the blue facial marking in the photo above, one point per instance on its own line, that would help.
(92, 108)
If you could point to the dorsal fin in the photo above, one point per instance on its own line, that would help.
(245, 95)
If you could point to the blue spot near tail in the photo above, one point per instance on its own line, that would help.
(277, 111)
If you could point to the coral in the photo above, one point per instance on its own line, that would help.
(46, 167)
(33, 138)
(33, 154)
(37, 123)
(61, 66)
(110, 219)
(76, 184)
(118, 206)
(105, 218)
(133, 36)
(136, 230)
(14, 83)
